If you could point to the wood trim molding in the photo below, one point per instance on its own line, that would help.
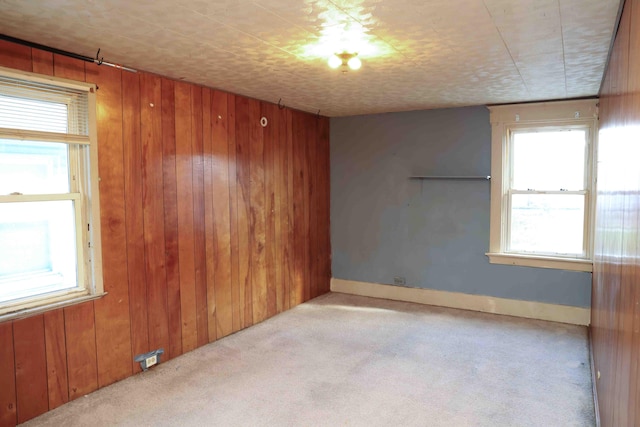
(486, 304)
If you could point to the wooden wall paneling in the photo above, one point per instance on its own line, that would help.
(616, 294)
(186, 240)
(634, 120)
(313, 143)
(170, 193)
(307, 140)
(31, 368)
(112, 315)
(198, 215)
(290, 263)
(237, 293)
(219, 214)
(68, 68)
(81, 349)
(297, 200)
(42, 62)
(8, 413)
(243, 156)
(206, 229)
(270, 138)
(257, 214)
(275, 139)
(209, 227)
(134, 215)
(153, 210)
(56, 351)
(614, 243)
(324, 251)
(15, 56)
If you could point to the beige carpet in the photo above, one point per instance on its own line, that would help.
(343, 360)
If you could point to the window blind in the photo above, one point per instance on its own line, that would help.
(39, 106)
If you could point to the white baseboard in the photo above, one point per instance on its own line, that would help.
(509, 307)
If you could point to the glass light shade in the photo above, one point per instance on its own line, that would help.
(334, 61)
(354, 63)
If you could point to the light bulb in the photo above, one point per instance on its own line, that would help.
(354, 63)
(334, 61)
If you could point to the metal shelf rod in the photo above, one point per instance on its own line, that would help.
(484, 177)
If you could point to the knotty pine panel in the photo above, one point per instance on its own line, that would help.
(615, 320)
(210, 223)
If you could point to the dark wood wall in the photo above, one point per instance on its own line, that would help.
(616, 280)
(210, 223)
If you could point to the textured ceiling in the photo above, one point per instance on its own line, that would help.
(416, 54)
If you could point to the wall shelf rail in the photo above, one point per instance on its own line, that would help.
(454, 177)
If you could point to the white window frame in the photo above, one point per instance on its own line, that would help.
(84, 191)
(505, 119)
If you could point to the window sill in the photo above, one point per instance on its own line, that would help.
(32, 311)
(571, 264)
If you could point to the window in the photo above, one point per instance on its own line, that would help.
(542, 190)
(49, 205)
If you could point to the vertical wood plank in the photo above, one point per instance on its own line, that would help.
(68, 68)
(257, 213)
(81, 349)
(170, 192)
(152, 208)
(290, 266)
(308, 138)
(8, 413)
(270, 135)
(112, 317)
(31, 368)
(15, 56)
(236, 293)
(324, 197)
(280, 203)
(209, 226)
(313, 236)
(134, 215)
(221, 215)
(300, 224)
(186, 245)
(42, 62)
(56, 348)
(243, 161)
(198, 215)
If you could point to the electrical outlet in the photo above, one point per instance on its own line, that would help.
(152, 360)
(399, 280)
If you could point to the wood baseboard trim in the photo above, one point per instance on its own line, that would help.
(509, 307)
(594, 379)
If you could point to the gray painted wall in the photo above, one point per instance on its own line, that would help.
(434, 233)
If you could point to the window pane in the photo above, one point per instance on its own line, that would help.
(547, 223)
(33, 114)
(31, 167)
(38, 248)
(549, 161)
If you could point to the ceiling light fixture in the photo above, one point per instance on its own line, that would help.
(345, 61)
